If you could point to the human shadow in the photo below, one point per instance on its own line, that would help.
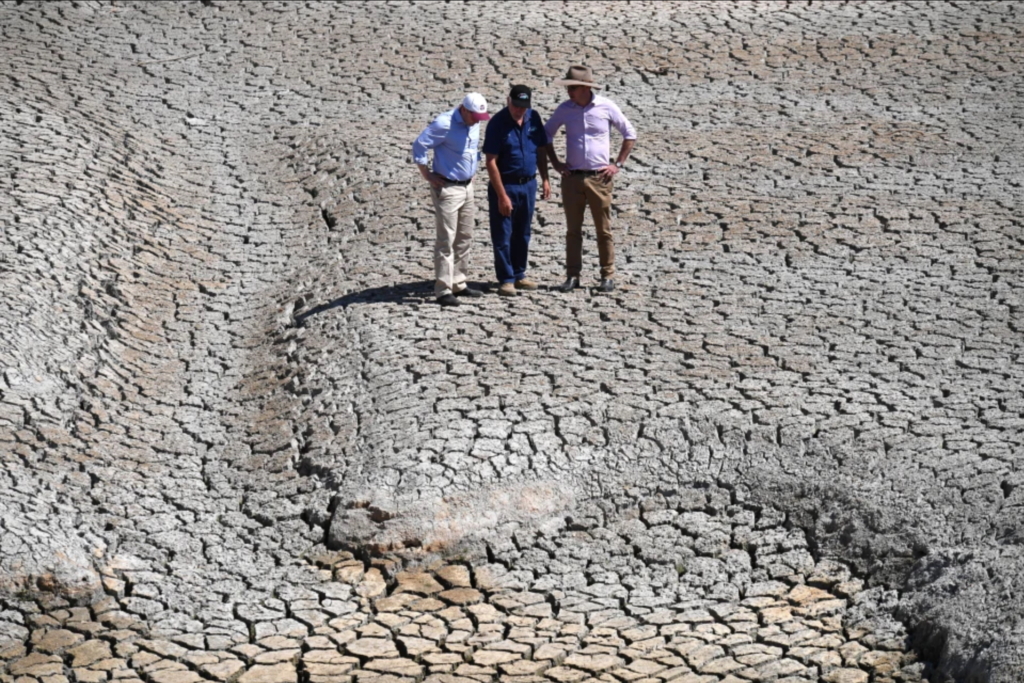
(407, 293)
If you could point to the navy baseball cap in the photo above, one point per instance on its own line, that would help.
(520, 95)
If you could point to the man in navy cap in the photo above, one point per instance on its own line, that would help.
(515, 146)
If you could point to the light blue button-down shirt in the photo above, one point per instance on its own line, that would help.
(454, 144)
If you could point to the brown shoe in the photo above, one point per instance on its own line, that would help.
(526, 284)
(507, 289)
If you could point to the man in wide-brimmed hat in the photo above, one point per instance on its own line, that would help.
(588, 172)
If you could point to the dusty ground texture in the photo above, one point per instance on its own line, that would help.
(241, 442)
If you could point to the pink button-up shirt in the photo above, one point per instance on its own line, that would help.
(587, 131)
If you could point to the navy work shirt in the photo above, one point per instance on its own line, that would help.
(516, 146)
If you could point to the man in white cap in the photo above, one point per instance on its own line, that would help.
(454, 137)
(588, 170)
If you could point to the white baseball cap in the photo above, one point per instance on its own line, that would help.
(476, 103)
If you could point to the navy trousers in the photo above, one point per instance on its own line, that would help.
(510, 235)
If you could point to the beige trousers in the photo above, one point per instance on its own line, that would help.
(454, 214)
(578, 192)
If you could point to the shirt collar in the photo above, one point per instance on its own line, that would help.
(508, 115)
(457, 116)
(592, 102)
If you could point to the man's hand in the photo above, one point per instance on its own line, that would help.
(436, 181)
(504, 205)
(609, 171)
(560, 167)
(545, 190)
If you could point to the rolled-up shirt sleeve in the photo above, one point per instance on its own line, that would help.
(621, 123)
(431, 137)
(553, 124)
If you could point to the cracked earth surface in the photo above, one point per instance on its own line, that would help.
(241, 443)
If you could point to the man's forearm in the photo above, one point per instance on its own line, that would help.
(495, 176)
(624, 150)
(542, 163)
(550, 149)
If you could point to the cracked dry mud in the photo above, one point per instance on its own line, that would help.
(241, 443)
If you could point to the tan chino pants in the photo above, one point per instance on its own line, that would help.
(578, 192)
(454, 215)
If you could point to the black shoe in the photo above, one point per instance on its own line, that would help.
(470, 292)
(607, 285)
(448, 300)
(569, 285)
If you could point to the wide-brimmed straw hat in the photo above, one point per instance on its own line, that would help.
(579, 75)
